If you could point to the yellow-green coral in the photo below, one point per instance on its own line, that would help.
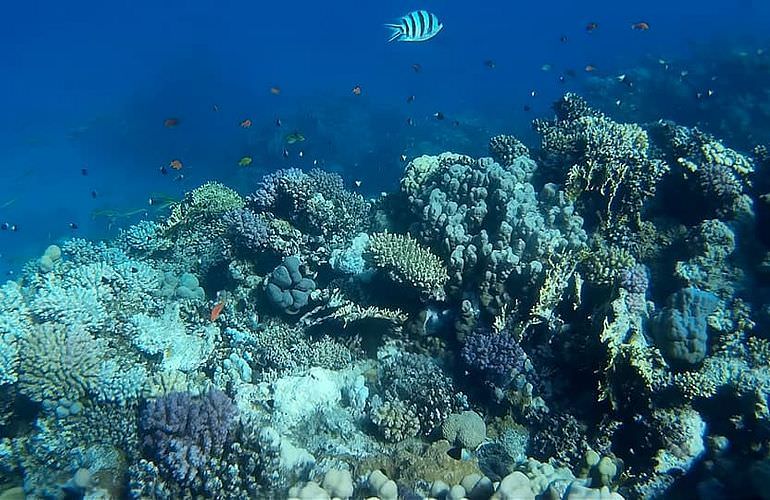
(715, 153)
(204, 202)
(408, 262)
(604, 263)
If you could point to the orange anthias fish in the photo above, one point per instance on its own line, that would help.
(176, 164)
(641, 26)
(171, 122)
(246, 123)
(217, 310)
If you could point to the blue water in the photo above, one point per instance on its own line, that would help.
(88, 84)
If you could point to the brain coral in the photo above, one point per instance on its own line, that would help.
(681, 328)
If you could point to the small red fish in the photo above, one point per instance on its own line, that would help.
(176, 164)
(217, 310)
(246, 123)
(171, 122)
(640, 26)
(275, 90)
(591, 27)
(357, 90)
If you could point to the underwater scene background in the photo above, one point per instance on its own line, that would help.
(255, 250)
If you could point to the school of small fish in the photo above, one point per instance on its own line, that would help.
(415, 26)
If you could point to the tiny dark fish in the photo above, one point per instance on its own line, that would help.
(163, 170)
(438, 115)
(215, 108)
(94, 194)
(357, 90)
(403, 157)
(640, 26)
(73, 226)
(527, 108)
(14, 228)
(410, 122)
(456, 123)
(357, 183)
(151, 201)
(275, 90)
(277, 122)
(171, 122)
(417, 67)
(179, 177)
(563, 39)
(489, 63)
(83, 172)
(590, 27)
(301, 154)
(285, 153)
(410, 99)
(4, 226)
(562, 79)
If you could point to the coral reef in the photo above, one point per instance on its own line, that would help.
(496, 328)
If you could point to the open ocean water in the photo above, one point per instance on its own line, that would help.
(255, 250)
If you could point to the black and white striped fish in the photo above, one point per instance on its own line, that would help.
(417, 26)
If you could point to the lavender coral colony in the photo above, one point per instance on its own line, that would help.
(545, 322)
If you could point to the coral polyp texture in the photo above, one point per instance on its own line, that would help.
(553, 321)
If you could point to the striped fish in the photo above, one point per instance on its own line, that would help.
(417, 26)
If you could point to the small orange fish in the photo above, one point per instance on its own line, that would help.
(176, 164)
(591, 27)
(357, 90)
(640, 26)
(246, 123)
(590, 68)
(170, 122)
(275, 90)
(217, 310)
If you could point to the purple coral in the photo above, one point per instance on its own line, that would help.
(635, 279)
(183, 432)
(287, 182)
(498, 356)
(248, 229)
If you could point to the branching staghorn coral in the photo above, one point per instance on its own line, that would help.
(406, 261)
(604, 157)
